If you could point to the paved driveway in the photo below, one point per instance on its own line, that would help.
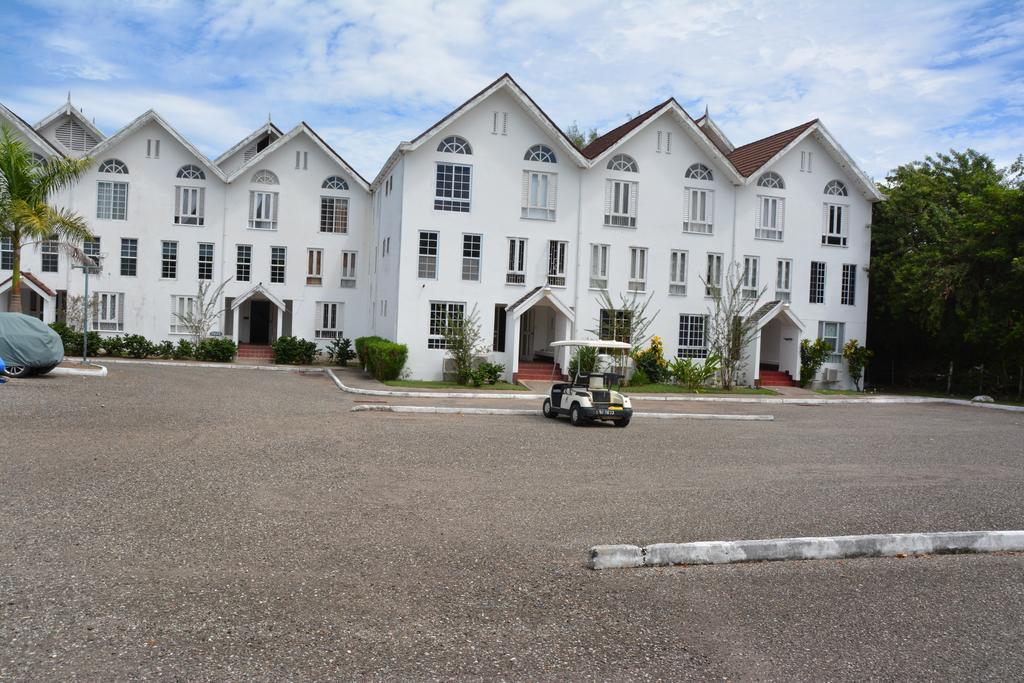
(219, 524)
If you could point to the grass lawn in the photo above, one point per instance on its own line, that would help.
(428, 384)
(840, 392)
(676, 389)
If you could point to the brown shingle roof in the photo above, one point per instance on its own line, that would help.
(599, 145)
(754, 155)
(25, 275)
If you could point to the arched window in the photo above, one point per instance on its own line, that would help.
(623, 162)
(541, 153)
(335, 183)
(453, 144)
(38, 159)
(113, 166)
(836, 188)
(265, 177)
(191, 172)
(699, 172)
(771, 179)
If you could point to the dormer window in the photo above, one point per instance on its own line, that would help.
(191, 172)
(836, 188)
(453, 144)
(265, 177)
(623, 163)
(335, 183)
(699, 172)
(113, 166)
(771, 180)
(541, 153)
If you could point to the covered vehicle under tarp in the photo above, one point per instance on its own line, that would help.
(27, 341)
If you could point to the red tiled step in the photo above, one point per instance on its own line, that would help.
(774, 378)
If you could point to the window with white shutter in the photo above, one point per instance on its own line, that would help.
(516, 273)
(637, 269)
(314, 266)
(348, 269)
(834, 228)
(109, 312)
(833, 333)
(182, 308)
(677, 273)
(556, 262)
(713, 275)
(539, 195)
(769, 219)
(189, 205)
(620, 203)
(698, 211)
(599, 266)
(751, 268)
(263, 210)
(783, 279)
(328, 320)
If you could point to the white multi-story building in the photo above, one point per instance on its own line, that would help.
(492, 209)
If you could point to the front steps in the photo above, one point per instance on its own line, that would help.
(775, 378)
(255, 352)
(539, 371)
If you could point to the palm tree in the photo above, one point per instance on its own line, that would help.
(26, 186)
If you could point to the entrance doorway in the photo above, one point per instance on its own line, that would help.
(259, 322)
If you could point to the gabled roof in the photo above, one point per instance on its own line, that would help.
(534, 296)
(761, 153)
(752, 156)
(23, 127)
(505, 81)
(304, 129)
(152, 116)
(608, 142)
(33, 283)
(714, 133)
(68, 109)
(267, 127)
(258, 289)
(772, 310)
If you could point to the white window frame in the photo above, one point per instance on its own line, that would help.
(848, 294)
(168, 260)
(278, 268)
(703, 221)
(516, 263)
(751, 276)
(713, 272)
(49, 258)
(693, 327)
(816, 294)
(539, 195)
(202, 260)
(328, 323)
(243, 258)
(770, 218)
(131, 246)
(348, 269)
(109, 312)
(189, 205)
(620, 203)
(427, 264)
(637, 270)
(331, 209)
(835, 225)
(835, 338)
(677, 268)
(445, 198)
(435, 329)
(181, 304)
(263, 208)
(314, 266)
(557, 257)
(472, 253)
(111, 209)
(783, 279)
(599, 255)
(6, 253)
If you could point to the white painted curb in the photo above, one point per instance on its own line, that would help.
(811, 548)
(433, 394)
(219, 366)
(94, 371)
(445, 410)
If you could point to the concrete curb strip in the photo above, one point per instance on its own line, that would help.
(219, 366)
(661, 397)
(91, 371)
(811, 548)
(444, 410)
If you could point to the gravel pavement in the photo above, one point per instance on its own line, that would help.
(199, 524)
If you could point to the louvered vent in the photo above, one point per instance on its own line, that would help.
(72, 135)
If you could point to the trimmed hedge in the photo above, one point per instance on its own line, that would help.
(216, 349)
(293, 351)
(385, 359)
(361, 354)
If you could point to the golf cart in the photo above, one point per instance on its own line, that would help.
(588, 397)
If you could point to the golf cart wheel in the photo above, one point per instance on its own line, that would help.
(18, 371)
(548, 410)
(621, 423)
(576, 416)
(39, 372)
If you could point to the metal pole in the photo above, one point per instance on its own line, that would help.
(85, 319)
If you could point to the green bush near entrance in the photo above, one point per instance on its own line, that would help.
(361, 353)
(293, 351)
(385, 359)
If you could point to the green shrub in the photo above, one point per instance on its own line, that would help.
(165, 349)
(487, 373)
(694, 374)
(639, 377)
(340, 351)
(812, 357)
(386, 359)
(137, 346)
(652, 361)
(361, 353)
(293, 351)
(184, 350)
(72, 339)
(216, 349)
(857, 358)
(113, 346)
(583, 360)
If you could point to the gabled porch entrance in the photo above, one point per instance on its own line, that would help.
(37, 300)
(533, 323)
(257, 318)
(775, 351)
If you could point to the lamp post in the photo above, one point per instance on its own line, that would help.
(90, 265)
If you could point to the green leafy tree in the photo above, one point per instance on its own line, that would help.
(812, 356)
(464, 341)
(731, 325)
(26, 217)
(579, 136)
(857, 358)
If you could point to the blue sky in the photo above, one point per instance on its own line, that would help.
(893, 81)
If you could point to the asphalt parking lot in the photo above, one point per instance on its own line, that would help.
(239, 525)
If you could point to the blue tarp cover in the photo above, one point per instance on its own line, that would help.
(25, 340)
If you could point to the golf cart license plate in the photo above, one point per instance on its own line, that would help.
(611, 410)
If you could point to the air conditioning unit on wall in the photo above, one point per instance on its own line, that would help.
(831, 375)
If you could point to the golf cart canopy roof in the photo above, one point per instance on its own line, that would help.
(596, 343)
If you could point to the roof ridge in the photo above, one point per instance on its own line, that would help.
(601, 143)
